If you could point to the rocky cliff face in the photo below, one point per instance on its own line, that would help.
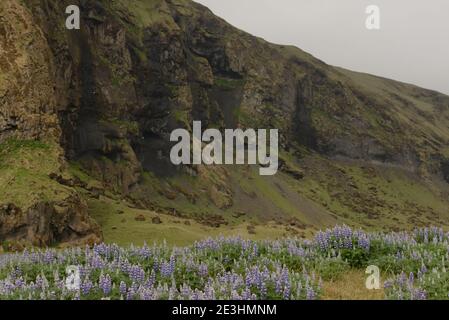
(108, 96)
(27, 85)
(34, 209)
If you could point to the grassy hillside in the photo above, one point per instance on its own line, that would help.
(90, 131)
(25, 167)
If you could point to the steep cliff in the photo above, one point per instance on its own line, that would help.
(355, 148)
(34, 207)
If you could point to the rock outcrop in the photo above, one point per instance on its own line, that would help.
(29, 111)
(48, 223)
(110, 93)
(27, 85)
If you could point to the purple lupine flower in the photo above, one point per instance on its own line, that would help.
(285, 276)
(130, 295)
(278, 286)
(263, 290)
(146, 294)
(388, 284)
(420, 294)
(48, 257)
(310, 294)
(166, 270)
(19, 283)
(122, 288)
(411, 278)
(137, 274)
(172, 264)
(145, 252)
(402, 279)
(105, 284)
(86, 287)
(203, 270)
(286, 293)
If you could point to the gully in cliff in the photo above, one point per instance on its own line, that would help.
(236, 143)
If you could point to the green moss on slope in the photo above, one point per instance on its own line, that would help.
(25, 167)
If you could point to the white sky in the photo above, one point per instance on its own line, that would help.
(411, 46)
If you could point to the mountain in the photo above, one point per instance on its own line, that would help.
(86, 117)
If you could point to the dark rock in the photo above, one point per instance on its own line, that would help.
(251, 229)
(214, 221)
(445, 170)
(49, 223)
(238, 214)
(156, 220)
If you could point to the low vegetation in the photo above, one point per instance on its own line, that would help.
(413, 266)
(25, 166)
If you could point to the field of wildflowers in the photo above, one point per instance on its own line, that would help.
(413, 265)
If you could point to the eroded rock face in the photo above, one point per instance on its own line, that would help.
(49, 223)
(27, 86)
(445, 169)
(111, 93)
(124, 83)
(29, 107)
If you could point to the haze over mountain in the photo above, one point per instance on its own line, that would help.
(334, 31)
(86, 118)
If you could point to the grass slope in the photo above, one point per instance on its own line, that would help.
(25, 167)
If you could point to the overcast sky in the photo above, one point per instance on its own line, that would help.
(412, 44)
